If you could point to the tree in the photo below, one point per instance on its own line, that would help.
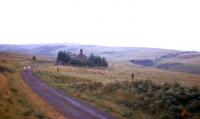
(91, 61)
(63, 57)
(34, 58)
(104, 62)
(98, 61)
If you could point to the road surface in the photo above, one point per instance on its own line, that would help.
(70, 107)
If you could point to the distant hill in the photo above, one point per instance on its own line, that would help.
(173, 60)
(186, 61)
(111, 53)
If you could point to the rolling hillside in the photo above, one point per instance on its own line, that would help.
(181, 61)
(111, 53)
(110, 89)
(188, 62)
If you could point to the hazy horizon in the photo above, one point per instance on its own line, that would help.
(172, 24)
(81, 44)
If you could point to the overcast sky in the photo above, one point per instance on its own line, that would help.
(173, 24)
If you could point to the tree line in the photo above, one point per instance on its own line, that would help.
(144, 62)
(64, 58)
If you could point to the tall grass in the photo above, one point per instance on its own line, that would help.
(138, 99)
(14, 103)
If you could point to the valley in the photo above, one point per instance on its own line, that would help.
(170, 89)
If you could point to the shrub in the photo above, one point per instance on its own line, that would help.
(110, 87)
(28, 112)
(39, 115)
(92, 86)
(34, 58)
(171, 98)
(5, 69)
(13, 90)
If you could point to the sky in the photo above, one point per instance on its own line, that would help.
(171, 24)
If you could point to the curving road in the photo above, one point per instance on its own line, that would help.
(70, 107)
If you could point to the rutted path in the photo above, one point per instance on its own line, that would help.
(70, 107)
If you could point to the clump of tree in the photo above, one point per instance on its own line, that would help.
(97, 61)
(145, 62)
(64, 58)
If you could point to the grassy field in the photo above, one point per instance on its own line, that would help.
(187, 63)
(152, 94)
(17, 100)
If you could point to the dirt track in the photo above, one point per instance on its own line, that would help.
(70, 107)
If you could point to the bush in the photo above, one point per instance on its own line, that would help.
(171, 98)
(5, 69)
(110, 87)
(40, 115)
(28, 112)
(34, 58)
(95, 85)
(13, 90)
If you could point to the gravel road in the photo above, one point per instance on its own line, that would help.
(69, 106)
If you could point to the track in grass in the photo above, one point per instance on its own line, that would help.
(70, 107)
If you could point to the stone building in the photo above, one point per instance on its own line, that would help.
(81, 55)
